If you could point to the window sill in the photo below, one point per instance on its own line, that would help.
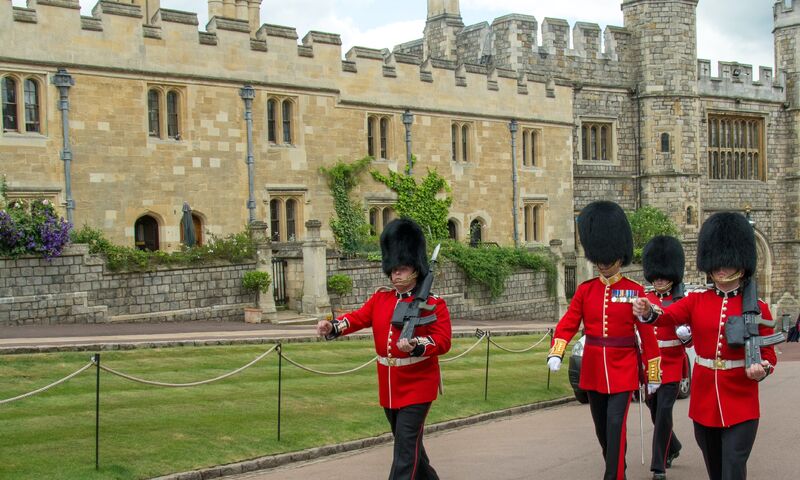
(597, 162)
(23, 138)
(282, 145)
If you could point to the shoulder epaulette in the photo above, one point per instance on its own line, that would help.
(631, 280)
(590, 280)
(384, 289)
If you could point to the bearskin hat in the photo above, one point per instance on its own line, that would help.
(726, 239)
(605, 233)
(663, 257)
(403, 243)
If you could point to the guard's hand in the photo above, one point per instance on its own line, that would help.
(757, 371)
(407, 345)
(641, 307)
(554, 364)
(684, 333)
(324, 328)
(652, 388)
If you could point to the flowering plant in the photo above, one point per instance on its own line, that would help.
(32, 228)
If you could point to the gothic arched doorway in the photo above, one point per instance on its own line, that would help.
(146, 231)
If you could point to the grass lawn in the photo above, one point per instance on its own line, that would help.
(146, 431)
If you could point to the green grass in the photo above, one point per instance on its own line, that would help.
(147, 431)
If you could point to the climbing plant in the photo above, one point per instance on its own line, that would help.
(422, 201)
(349, 226)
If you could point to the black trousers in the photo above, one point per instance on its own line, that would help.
(410, 462)
(664, 440)
(726, 450)
(609, 413)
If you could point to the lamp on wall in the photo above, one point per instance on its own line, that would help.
(408, 119)
(737, 72)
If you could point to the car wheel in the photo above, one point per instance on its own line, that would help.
(581, 396)
(684, 387)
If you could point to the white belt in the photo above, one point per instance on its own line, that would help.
(719, 364)
(669, 343)
(399, 362)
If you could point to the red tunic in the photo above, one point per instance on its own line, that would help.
(720, 398)
(672, 357)
(607, 369)
(400, 386)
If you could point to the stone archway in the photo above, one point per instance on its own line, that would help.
(763, 268)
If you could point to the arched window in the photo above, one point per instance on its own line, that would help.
(286, 116)
(275, 219)
(32, 106)
(689, 216)
(146, 233)
(452, 229)
(665, 143)
(454, 141)
(464, 138)
(373, 221)
(291, 220)
(272, 126)
(10, 118)
(173, 115)
(529, 140)
(388, 215)
(384, 136)
(475, 232)
(370, 137)
(153, 114)
(378, 128)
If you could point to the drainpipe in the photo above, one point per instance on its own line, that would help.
(248, 93)
(408, 120)
(512, 127)
(638, 181)
(64, 81)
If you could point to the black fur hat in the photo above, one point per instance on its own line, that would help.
(726, 239)
(605, 233)
(403, 243)
(663, 257)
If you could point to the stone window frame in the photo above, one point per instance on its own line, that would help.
(384, 212)
(534, 216)
(278, 214)
(453, 228)
(170, 120)
(276, 121)
(585, 125)
(383, 143)
(482, 229)
(462, 141)
(21, 107)
(531, 152)
(736, 144)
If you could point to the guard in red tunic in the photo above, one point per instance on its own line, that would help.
(663, 263)
(724, 403)
(408, 370)
(612, 365)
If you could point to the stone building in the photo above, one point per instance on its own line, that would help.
(156, 114)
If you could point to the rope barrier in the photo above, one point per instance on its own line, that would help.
(509, 350)
(319, 372)
(40, 390)
(445, 360)
(192, 384)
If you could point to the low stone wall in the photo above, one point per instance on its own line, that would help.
(77, 288)
(525, 296)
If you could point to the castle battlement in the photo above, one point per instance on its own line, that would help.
(786, 13)
(736, 80)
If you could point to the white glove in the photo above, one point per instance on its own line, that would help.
(684, 333)
(652, 387)
(554, 363)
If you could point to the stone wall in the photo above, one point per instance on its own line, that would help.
(77, 288)
(524, 298)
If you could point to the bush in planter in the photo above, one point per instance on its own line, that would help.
(256, 281)
(340, 284)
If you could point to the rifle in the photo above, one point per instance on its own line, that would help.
(407, 314)
(743, 331)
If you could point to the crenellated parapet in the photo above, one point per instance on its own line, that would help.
(736, 81)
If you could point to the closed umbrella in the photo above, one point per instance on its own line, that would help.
(187, 225)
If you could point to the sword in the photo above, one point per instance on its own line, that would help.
(641, 423)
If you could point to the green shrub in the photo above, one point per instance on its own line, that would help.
(646, 223)
(340, 284)
(256, 281)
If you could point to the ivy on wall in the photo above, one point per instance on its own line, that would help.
(349, 226)
(422, 201)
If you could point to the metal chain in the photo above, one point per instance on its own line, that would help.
(319, 372)
(445, 360)
(509, 350)
(40, 390)
(192, 384)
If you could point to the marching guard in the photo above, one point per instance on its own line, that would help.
(612, 366)
(408, 368)
(724, 404)
(663, 262)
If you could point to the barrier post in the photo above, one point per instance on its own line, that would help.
(280, 365)
(548, 368)
(486, 382)
(97, 415)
